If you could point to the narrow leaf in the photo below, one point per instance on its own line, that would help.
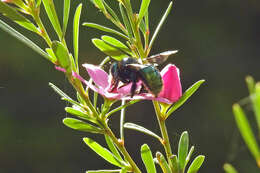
(188, 93)
(23, 39)
(124, 170)
(113, 148)
(163, 163)
(103, 152)
(160, 25)
(189, 155)
(147, 158)
(81, 126)
(104, 171)
(250, 84)
(116, 43)
(12, 14)
(73, 102)
(105, 29)
(52, 55)
(229, 168)
(38, 3)
(111, 12)
(256, 104)
(66, 13)
(100, 5)
(175, 163)
(143, 10)
(109, 50)
(126, 21)
(52, 15)
(76, 34)
(196, 164)
(59, 91)
(62, 54)
(246, 131)
(141, 129)
(183, 150)
(80, 114)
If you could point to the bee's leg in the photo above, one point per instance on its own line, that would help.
(114, 84)
(142, 90)
(133, 88)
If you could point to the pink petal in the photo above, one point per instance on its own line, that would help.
(172, 89)
(103, 92)
(99, 76)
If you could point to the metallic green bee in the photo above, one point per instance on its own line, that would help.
(130, 70)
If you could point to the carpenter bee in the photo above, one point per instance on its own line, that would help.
(130, 70)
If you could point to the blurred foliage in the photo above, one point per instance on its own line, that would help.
(217, 40)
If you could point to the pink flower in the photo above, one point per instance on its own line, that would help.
(170, 93)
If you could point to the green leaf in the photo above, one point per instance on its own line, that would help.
(109, 50)
(188, 93)
(80, 114)
(147, 158)
(38, 3)
(246, 131)
(124, 170)
(18, 3)
(183, 150)
(81, 126)
(175, 164)
(126, 21)
(229, 168)
(256, 104)
(76, 34)
(105, 29)
(62, 54)
(104, 171)
(163, 163)
(189, 155)
(116, 43)
(113, 148)
(143, 10)
(12, 14)
(52, 55)
(51, 12)
(58, 91)
(73, 102)
(250, 84)
(142, 28)
(100, 5)
(196, 164)
(23, 39)
(168, 10)
(141, 129)
(111, 12)
(103, 152)
(66, 13)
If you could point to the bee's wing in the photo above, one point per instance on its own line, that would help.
(136, 66)
(161, 57)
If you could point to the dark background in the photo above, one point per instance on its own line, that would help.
(218, 40)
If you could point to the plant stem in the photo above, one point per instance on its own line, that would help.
(120, 145)
(135, 29)
(43, 31)
(122, 121)
(78, 86)
(165, 142)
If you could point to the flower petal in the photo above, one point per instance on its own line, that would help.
(99, 76)
(172, 89)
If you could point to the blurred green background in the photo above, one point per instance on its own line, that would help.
(218, 40)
